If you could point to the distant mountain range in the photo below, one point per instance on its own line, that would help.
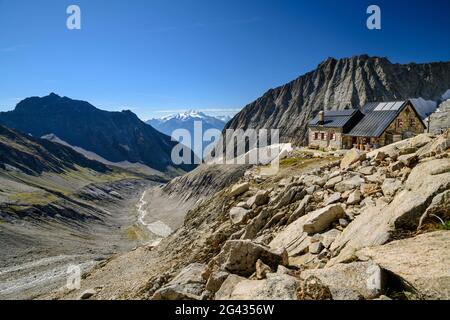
(117, 137)
(186, 120)
(338, 84)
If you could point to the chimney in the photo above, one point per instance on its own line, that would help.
(321, 117)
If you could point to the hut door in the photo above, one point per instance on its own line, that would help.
(389, 139)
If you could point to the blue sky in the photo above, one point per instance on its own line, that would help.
(157, 56)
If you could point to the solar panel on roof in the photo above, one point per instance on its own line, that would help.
(380, 106)
(388, 106)
(397, 105)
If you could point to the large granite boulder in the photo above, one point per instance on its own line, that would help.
(351, 281)
(240, 257)
(351, 157)
(422, 262)
(189, 284)
(275, 287)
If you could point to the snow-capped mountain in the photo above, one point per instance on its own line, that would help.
(224, 118)
(186, 120)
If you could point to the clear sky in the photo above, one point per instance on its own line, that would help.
(158, 56)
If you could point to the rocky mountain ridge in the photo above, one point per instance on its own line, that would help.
(338, 84)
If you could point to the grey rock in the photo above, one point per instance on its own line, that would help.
(240, 257)
(238, 215)
(408, 159)
(351, 157)
(351, 281)
(239, 189)
(227, 287)
(276, 287)
(255, 225)
(329, 236)
(422, 263)
(349, 184)
(189, 284)
(320, 220)
(391, 186)
(295, 239)
(259, 199)
(354, 197)
(216, 280)
(343, 223)
(332, 182)
(315, 247)
(367, 171)
(262, 270)
(335, 197)
(301, 210)
(87, 294)
(396, 166)
(310, 190)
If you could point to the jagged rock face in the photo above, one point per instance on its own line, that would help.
(337, 84)
(115, 136)
(441, 118)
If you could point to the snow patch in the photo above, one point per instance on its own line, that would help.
(424, 107)
(190, 114)
(446, 95)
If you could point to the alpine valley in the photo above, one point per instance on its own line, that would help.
(95, 189)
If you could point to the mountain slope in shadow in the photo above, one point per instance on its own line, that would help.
(115, 136)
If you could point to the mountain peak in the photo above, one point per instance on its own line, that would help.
(337, 84)
(53, 95)
(186, 115)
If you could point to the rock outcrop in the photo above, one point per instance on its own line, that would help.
(275, 287)
(352, 281)
(422, 263)
(187, 285)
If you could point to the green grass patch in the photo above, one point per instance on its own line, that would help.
(445, 226)
(32, 198)
(292, 162)
(132, 233)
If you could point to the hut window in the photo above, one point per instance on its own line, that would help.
(322, 136)
(399, 123)
(333, 136)
(412, 122)
(316, 136)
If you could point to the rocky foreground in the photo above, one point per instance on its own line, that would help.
(367, 226)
